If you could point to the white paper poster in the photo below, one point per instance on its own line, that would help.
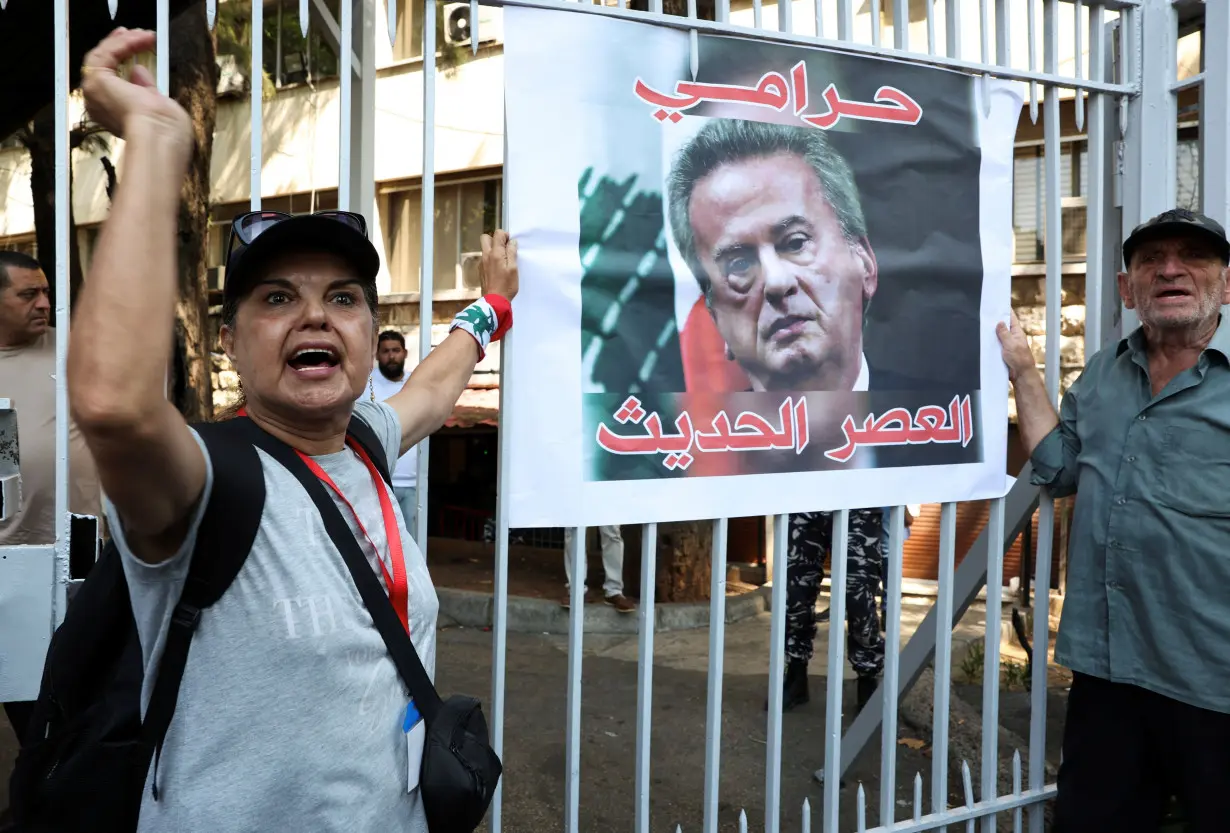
(771, 287)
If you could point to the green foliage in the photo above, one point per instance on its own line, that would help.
(1016, 675)
(973, 662)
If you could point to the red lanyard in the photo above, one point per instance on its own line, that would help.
(398, 591)
(396, 583)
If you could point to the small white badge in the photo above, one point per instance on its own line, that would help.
(415, 729)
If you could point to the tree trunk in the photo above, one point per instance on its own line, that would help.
(39, 141)
(685, 552)
(194, 84)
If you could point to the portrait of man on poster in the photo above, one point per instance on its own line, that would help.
(769, 220)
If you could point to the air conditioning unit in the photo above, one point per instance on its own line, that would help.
(230, 78)
(458, 28)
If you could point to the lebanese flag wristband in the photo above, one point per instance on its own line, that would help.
(503, 313)
(486, 320)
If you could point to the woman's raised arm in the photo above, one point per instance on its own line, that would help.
(150, 465)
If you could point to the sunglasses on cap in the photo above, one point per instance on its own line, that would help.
(247, 227)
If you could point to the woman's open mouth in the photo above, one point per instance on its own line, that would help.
(314, 362)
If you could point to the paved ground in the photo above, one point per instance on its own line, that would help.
(537, 672)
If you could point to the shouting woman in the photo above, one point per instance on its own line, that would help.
(290, 709)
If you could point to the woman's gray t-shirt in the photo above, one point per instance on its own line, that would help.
(290, 711)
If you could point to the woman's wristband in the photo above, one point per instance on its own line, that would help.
(486, 320)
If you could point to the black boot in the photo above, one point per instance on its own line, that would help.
(866, 690)
(794, 688)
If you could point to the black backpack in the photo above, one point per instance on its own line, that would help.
(86, 753)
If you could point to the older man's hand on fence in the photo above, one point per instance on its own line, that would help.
(1015, 348)
(124, 105)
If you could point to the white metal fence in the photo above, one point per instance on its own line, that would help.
(1124, 102)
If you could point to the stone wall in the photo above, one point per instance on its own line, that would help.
(225, 383)
(1029, 302)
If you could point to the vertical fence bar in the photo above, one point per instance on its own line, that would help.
(162, 78)
(777, 656)
(930, 28)
(346, 69)
(845, 19)
(162, 52)
(1215, 114)
(785, 15)
(427, 263)
(1003, 37)
(1095, 203)
(717, 649)
(1046, 511)
(363, 116)
(644, 680)
(892, 659)
(984, 30)
(1078, 23)
(1016, 789)
(576, 636)
(257, 86)
(835, 672)
(63, 194)
(901, 24)
(1031, 21)
(1148, 43)
(990, 666)
(952, 14)
(943, 658)
(499, 613)
(875, 22)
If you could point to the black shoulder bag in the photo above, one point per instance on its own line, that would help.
(460, 770)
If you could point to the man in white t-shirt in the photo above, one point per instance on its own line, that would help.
(386, 380)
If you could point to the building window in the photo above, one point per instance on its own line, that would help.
(221, 215)
(1029, 201)
(1029, 195)
(463, 212)
(408, 38)
(24, 243)
(287, 57)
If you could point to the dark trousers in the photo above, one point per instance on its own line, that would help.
(19, 715)
(1127, 750)
(811, 539)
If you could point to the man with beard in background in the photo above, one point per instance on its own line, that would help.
(387, 379)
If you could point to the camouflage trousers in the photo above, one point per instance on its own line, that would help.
(811, 539)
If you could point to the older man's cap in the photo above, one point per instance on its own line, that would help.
(1174, 222)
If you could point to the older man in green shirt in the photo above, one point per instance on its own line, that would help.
(1143, 440)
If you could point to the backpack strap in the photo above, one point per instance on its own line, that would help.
(363, 434)
(396, 640)
(225, 536)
